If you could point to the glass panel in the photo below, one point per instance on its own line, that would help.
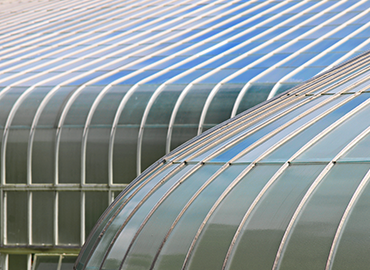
(353, 245)
(192, 105)
(269, 219)
(125, 142)
(222, 104)
(17, 261)
(246, 75)
(16, 156)
(249, 124)
(7, 101)
(303, 119)
(97, 155)
(68, 262)
(46, 262)
(339, 137)
(69, 209)
(161, 110)
(43, 156)
(51, 113)
(316, 226)
(113, 228)
(29, 106)
(153, 145)
(181, 134)
(236, 148)
(43, 217)
(155, 229)
(70, 155)
(120, 199)
(80, 108)
(273, 76)
(107, 108)
(178, 243)
(17, 217)
(219, 230)
(286, 150)
(134, 108)
(220, 75)
(95, 204)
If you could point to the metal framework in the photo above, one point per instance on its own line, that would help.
(92, 93)
(186, 192)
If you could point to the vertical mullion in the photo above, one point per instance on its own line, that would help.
(29, 261)
(83, 218)
(5, 212)
(29, 217)
(56, 227)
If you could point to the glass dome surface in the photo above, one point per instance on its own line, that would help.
(281, 186)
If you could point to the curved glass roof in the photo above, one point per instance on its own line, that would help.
(82, 83)
(281, 186)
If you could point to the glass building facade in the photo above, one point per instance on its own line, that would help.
(93, 92)
(282, 186)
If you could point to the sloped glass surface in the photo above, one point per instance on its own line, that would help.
(269, 219)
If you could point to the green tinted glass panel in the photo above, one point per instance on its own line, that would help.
(154, 231)
(51, 113)
(47, 262)
(42, 217)
(120, 198)
(136, 104)
(17, 261)
(222, 104)
(80, 108)
(69, 209)
(352, 250)
(43, 155)
(192, 105)
(178, 242)
(162, 108)
(16, 156)
(26, 111)
(95, 204)
(114, 225)
(107, 108)
(313, 233)
(153, 145)
(17, 217)
(68, 262)
(7, 101)
(181, 134)
(70, 155)
(115, 255)
(125, 142)
(216, 236)
(255, 95)
(97, 149)
(266, 225)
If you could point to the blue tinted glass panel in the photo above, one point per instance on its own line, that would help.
(298, 60)
(250, 139)
(275, 75)
(113, 77)
(246, 75)
(305, 74)
(326, 60)
(272, 60)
